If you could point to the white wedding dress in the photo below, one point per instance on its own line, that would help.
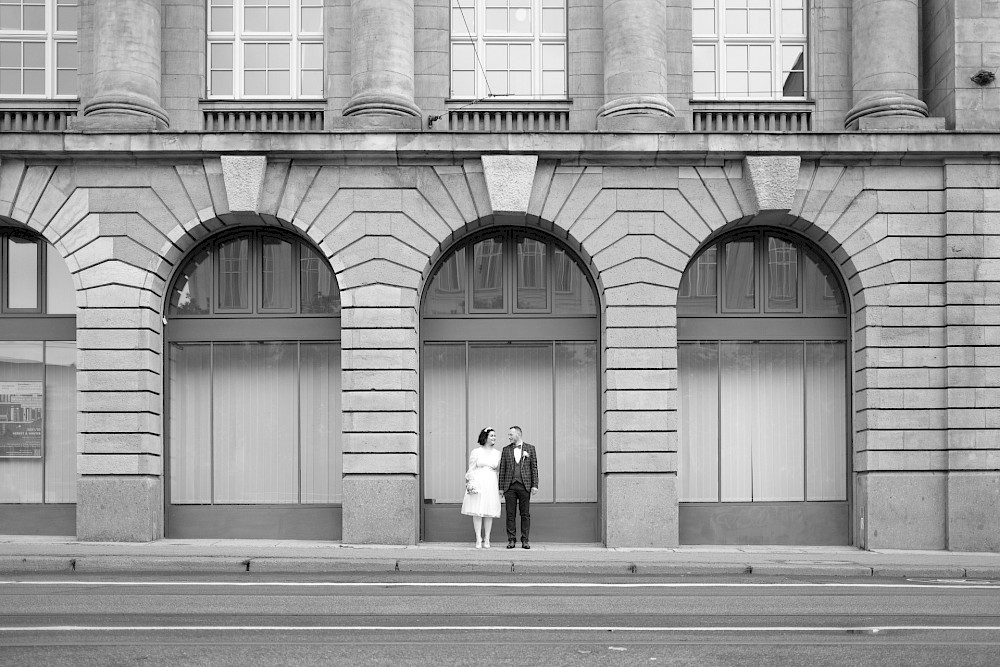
(483, 464)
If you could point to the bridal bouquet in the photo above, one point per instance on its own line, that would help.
(470, 487)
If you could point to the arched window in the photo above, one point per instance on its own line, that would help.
(37, 387)
(510, 328)
(254, 390)
(762, 359)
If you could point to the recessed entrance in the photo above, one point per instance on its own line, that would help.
(763, 338)
(509, 333)
(253, 381)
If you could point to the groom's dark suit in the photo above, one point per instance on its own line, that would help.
(516, 483)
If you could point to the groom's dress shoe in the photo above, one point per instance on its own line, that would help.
(511, 544)
(525, 545)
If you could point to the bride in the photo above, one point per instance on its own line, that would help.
(482, 489)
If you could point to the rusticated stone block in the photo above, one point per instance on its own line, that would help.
(380, 509)
(656, 527)
(903, 510)
(119, 509)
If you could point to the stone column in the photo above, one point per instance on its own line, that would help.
(382, 65)
(126, 80)
(885, 66)
(635, 67)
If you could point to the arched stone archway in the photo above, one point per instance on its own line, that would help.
(764, 392)
(510, 331)
(253, 382)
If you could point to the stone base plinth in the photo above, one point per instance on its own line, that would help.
(903, 510)
(641, 123)
(380, 509)
(973, 520)
(119, 509)
(649, 522)
(905, 123)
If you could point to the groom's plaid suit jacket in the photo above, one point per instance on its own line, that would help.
(529, 468)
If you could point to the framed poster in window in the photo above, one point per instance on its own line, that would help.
(21, 420)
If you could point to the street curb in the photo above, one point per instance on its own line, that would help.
(27, 564)
(922, 571)
(292, 565)
(681, 569)
(236, 564)
(160, 564)
(812, 570)
(982, 572)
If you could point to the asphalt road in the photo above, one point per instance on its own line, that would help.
(446, 619)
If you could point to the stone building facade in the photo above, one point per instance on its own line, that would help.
(739, 316)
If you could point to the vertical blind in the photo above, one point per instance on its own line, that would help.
(255, 423)
(549, 389)
(762, 421)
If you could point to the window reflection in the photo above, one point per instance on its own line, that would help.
(572, 293)
(487, 274)
(22, 273)
(698, 290)
(788, 264)
(282, 274)
(822, 293)
(782, 275)
(740, 275)
(276, 274)
(234, 279)
(193, 292)
(532, 283)
(541, 276)
(446, 295)
(319, 291)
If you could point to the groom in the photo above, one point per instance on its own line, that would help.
(518, 473)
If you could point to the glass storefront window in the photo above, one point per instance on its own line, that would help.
(257, 263)
(793, 279)
(541, 275)
(255, 422)
(782, 275)
(234, 275)
(487, 275)
(317, 284)
(741, 290)
(38, 429)
(446, 295)
(532, 275)
(524, 352)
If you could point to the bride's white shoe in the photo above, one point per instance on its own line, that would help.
(486, 544)
(479, 544)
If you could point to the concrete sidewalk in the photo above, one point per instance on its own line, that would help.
(25, 554)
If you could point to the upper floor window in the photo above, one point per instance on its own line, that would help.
(749, 49)
(264, 49)
(38, 48)
(508, 48)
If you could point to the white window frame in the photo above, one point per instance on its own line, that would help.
(479, 39)
(51, 38)
(776, 40)
(238, 38)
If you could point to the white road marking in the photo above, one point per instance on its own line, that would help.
(496, 584)
(501, 628)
